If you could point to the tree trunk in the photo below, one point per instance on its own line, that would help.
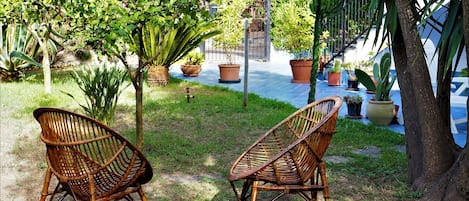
(46, 67)
(136, 76)
(454, 184)
(316, 43)
(412, 132)
(429, 151)
(45, 60)
(465, 6)
(139, 114)
(443, 92)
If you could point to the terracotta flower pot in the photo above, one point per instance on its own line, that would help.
(158, 76)
(301, 70)
(229, 73)
(333, 78)
(191, 70)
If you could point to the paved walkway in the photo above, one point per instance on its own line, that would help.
(272, 80)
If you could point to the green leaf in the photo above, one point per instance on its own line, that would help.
(24, 57)
(365, 79)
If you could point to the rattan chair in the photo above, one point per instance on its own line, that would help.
(90, 160)
(288, 158)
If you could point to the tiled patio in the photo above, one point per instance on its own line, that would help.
(272, 80)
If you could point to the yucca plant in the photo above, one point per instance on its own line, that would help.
(101, 87)
(163, 46)
(381, 74)
(166, 46)
(17, 50)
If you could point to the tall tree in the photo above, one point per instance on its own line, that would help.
(435, 162)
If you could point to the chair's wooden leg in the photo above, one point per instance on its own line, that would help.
(92, 188)
(45, 187)
(247, 184)
(254, 191)
(322, 171)
(140, 192)
(314, 192)
(235, 191)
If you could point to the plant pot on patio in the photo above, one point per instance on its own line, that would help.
(333, 75)
(333, 78)
(229, 73)
(380, 113)
(301, 70)
(193, 64)
(354, 106)
(191, 70)
(352, 85)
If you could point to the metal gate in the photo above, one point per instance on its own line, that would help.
(259, 38)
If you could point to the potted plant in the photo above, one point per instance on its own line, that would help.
(380, 109)
(333, 75)
(354, 106)
(367, 66)
(352, 81)
(293, 31)
(230, 22)
(164, 46)
(193, 64)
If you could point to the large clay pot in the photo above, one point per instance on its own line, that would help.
(191, 70)
(301, 70)
(380, 113)
(158, 76)
(229, 73)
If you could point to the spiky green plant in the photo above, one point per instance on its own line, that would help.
(101, 87)
(382, 76)
(17, 50)
(194, 58)
(163, 47)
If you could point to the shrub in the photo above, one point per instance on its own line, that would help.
(101, 87)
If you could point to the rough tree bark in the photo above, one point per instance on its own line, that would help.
(454, 184)
(430, 152)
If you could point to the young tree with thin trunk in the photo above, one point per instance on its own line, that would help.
(39, 17)
(322, 9)
(117, 29)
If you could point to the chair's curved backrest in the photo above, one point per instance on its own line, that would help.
(290, 152)
(79, 146)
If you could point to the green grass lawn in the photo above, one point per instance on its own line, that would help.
(192, 145)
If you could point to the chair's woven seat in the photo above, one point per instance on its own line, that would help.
(289, 155)
(90, 160)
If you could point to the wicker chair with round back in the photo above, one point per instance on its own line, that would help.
(288, 158)
(90, 160)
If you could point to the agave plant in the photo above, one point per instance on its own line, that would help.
(381, 74)
(17, 50)
(102, 87)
